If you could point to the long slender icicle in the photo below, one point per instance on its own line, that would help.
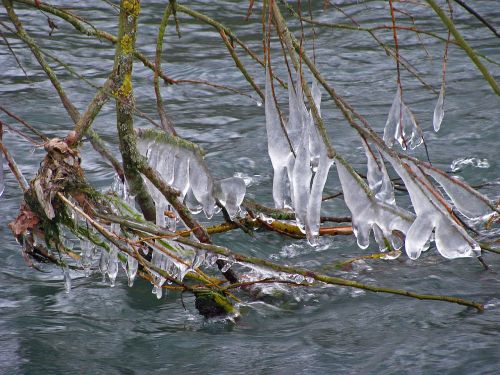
(278, 147)
(2, 183)
(439, 110)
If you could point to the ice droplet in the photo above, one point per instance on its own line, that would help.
(298, 278)
(227, 265)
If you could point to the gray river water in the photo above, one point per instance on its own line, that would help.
(97, 329)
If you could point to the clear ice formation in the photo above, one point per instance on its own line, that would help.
(433, 214)
(377, 176)
(230, 193)
(437, 119)
(67, 279)
(175, 266)
(278, 147)
(308, 170)
(371, 213)
(112, 266)
(2, 184)
(201, 184)
(296, 110)
(182, 166)
(316, 196)
(316, 144)
(401, 125)
(132, 266)
(461, 163)
(468, 201)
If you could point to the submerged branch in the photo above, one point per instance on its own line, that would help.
(325, 278)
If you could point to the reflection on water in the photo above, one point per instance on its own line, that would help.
(98, 329)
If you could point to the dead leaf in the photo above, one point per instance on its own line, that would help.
(26, 220)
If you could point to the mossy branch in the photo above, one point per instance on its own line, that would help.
(165, 121)
(325, 278)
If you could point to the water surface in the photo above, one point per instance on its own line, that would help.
(327, 330)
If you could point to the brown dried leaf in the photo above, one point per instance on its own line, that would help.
(26, 219)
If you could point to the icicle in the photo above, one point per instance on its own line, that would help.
(370, 213)
(401, 125)
(132, 266)
(301, 177)
(316, 197)
(181, 172)
(408, 132)
(380, 239)
(416, 134)
(316, 94)
(393, 119)
(182, 271)
(315, 141)
(452, 241)
(2, 183)
(192, 203)
(199, 258)
(113, 265)
(419, 234)
(157, 290)
(201, 184)
(439, 110)
(468, 201)
(86, 256)
(277, 146)
(377, 176)
(295, 110)
(103, 264)
(230, 193)
(67, 280)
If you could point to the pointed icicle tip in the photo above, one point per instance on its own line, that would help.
(439, 110)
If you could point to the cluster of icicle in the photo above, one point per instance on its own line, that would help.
(402, 125)
(108, 260)
(373, 205)
(375, 209)
(298, 179)
(182, 166)
(434, 216)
